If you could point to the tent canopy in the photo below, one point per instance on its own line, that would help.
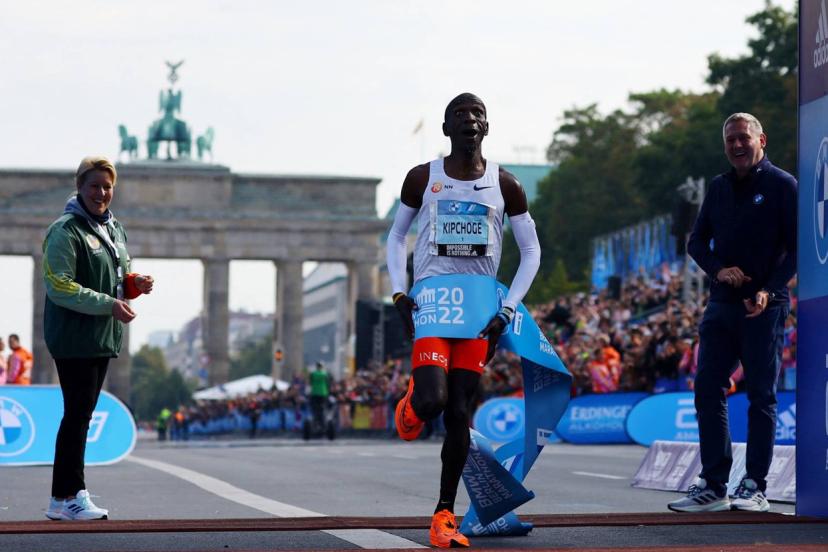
(239, 388)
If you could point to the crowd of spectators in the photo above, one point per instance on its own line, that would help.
(644, 339)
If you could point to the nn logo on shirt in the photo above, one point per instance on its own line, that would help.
(821, 50)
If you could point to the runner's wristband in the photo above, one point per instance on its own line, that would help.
(396, 297)
(507, 314)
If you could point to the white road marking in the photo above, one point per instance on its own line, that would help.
(600, 475)
(364, 538)
(373, 538)
(366, 454)
(226, 490)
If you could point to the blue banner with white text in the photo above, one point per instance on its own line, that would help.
(664, 417)
(599, 418)
(737, 408)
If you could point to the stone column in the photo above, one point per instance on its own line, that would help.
(362, 285)
(367, 276)
(288, 320)
(43, 370)
(119, 373)
(215, 328)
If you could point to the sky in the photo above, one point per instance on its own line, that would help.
(324, 87)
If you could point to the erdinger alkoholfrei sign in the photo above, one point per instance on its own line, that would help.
(812, 345)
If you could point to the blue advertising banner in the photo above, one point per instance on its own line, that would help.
(812, 256)
(812, 403)
(664, 417)
(598, 418)
(737, 407)
(29, 420)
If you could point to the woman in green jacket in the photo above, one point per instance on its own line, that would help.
(86, 271)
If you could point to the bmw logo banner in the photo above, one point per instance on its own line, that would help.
(29, 421)
(459, 306)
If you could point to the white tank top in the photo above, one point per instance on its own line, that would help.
(460, 224)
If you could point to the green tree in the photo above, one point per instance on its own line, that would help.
(593, 189)
(764, 82)
(254, 358)
(154, 386)
(621, 168)
(679, 136)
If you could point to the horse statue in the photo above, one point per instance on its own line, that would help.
(129, 143)
(204, 143)
(169, 128)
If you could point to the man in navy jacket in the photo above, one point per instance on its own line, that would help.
(745, 240)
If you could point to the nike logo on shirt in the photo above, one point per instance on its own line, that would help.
(478, 188)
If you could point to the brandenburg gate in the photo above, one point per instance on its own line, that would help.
(180, 208)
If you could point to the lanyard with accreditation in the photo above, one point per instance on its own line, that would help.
(460, 306)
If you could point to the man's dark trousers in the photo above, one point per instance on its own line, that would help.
(727, 337)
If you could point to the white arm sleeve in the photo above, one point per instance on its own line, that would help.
(523, 227)
(395, 251)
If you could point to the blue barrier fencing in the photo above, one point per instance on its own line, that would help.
(629, 417)
(672, 417)
(589, 419)
(280, 419)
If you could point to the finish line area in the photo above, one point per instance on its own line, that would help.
(283, 494)
(733, 531)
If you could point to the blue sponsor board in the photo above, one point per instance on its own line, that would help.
(665, 417)
(812, 258)
(812, 245)
(737, 408)
(501, 420)
(598, 418)
(29, 421)
(812, 402)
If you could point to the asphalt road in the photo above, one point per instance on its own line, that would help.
(378, 478)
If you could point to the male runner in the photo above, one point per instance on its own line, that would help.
(459, 202)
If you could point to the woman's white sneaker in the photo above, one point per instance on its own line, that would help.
(82, 507)
(55, 510)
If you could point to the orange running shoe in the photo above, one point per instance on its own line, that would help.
(444, 533)
(409, 425)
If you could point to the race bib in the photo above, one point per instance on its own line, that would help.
(460, 228)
